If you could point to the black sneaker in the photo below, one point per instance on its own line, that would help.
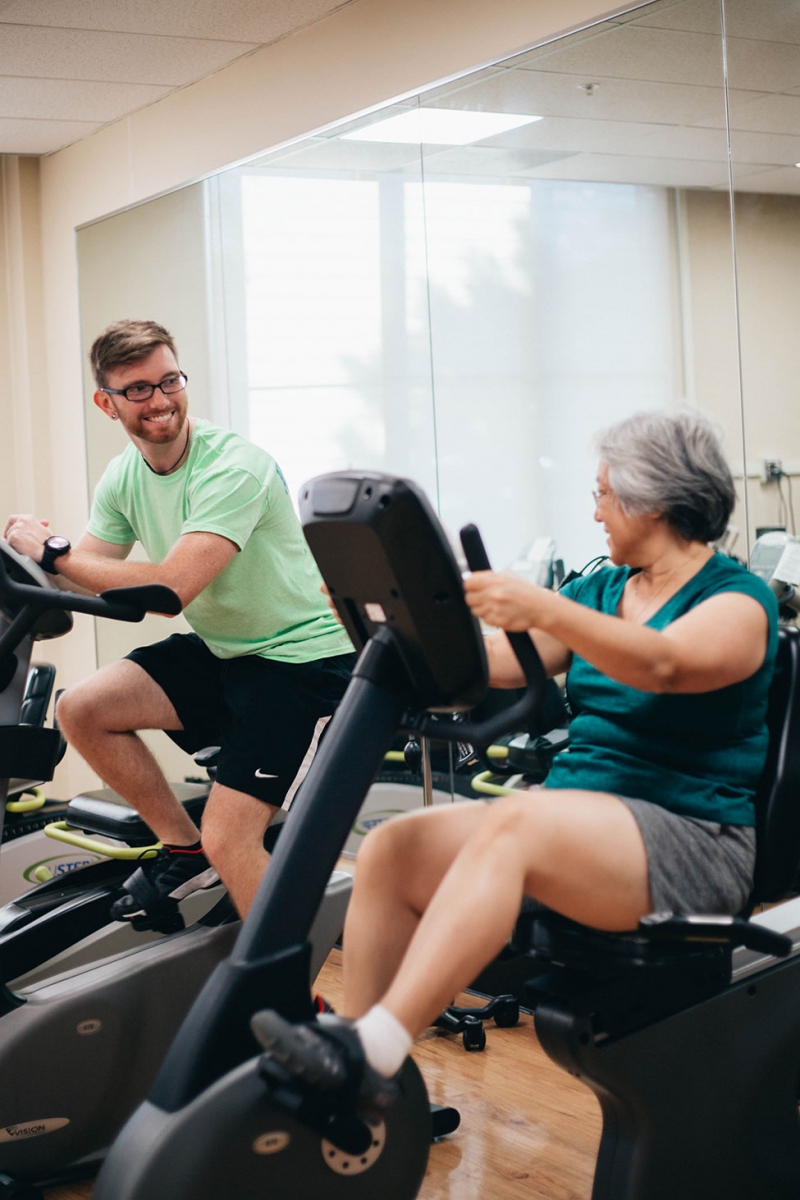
(154, 889)
(327, 1056)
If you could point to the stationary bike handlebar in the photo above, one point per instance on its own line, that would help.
(719, 929)
(483, 733)
(117, 604)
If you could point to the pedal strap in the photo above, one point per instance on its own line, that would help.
(145, 893)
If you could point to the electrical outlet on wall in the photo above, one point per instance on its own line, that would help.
(772, 470)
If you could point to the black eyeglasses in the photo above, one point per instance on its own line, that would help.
(138, 392)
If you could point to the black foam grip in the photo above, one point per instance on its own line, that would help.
(474, 549)
(521, 644)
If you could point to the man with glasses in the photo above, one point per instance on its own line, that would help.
(266, 664)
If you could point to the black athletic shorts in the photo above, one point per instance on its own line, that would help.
(265, 715)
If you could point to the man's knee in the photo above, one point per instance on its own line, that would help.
(213, 832)
(120, 698)
(233, 824)
(78, 708)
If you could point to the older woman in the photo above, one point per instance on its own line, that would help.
(669, 655)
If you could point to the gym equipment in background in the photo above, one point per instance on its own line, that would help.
(79, 1049)
(775, 557)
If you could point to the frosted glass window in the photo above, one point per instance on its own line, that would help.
(551, 315)
(471, 334)
(313, 321)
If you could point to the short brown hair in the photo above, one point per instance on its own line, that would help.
(126, 342)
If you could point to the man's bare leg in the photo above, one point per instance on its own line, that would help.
(100, 717)
(234, 825)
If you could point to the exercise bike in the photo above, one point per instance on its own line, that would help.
(688, 1031)
(210, 1128)
(79, 1048)
(27, 810)
(62, 919)
(37, 845)
(692, 1044)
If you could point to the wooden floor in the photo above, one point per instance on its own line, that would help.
(528, 1130)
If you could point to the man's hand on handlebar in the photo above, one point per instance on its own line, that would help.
(26, 534)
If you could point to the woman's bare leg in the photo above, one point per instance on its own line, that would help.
(400, 866)
(579, 853)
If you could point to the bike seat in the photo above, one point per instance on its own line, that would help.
(105, 812)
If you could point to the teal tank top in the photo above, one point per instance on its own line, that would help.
(700, 755)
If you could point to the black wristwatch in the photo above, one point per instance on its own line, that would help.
(54, 547)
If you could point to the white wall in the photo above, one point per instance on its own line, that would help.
(361, 56)
(25, 465)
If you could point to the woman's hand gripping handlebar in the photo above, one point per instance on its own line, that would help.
(483, 733)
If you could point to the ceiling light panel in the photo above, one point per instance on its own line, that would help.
(439, 126)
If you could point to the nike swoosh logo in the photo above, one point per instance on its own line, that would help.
(262, 775)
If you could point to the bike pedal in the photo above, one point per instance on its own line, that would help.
(164, 922)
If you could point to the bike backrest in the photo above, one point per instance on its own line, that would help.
(38, 690)
(778, 795)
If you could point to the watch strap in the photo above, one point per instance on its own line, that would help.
(50, 553)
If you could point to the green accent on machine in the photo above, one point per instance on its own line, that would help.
(62, 832)
(35, 800)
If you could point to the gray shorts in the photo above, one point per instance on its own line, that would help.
(695, 866)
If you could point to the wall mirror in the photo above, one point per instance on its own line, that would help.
(466, 286)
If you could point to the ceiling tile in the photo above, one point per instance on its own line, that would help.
(84, 101)
(634, 52)
(763, 66)
(775, 20)
(774, 148)
(235, 20)
(762, 112)
(618, 137)
(70, 66)
(782, 180)
(691, 16)
(487, 160)
(610, 168)
(331, 154)
(41, 137)
(768, 20)
(549, 94)
(130, 58)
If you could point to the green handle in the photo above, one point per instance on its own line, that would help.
(37, 800)
(497, 752)
(480, 783)
(62, 832)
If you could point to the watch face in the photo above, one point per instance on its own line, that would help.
(57, 543)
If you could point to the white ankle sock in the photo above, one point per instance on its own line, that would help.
(386, 1042)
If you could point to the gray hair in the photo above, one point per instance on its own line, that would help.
(671, 462)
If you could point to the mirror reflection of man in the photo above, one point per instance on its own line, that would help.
(266, 664)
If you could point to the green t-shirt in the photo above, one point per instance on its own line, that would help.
(700, 755)
(267, 600)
